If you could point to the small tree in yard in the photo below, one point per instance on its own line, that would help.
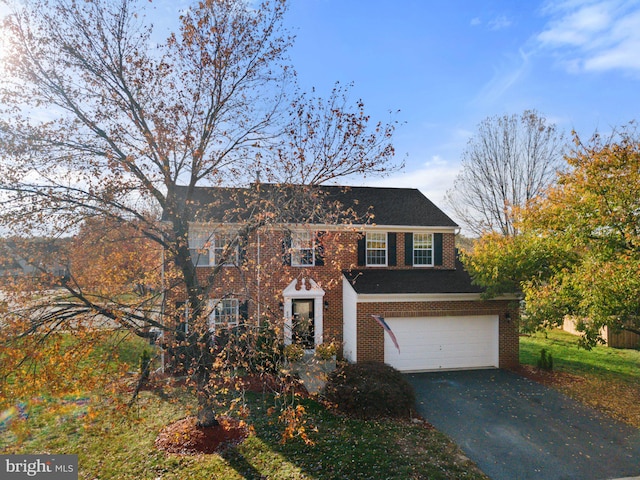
(97, 122)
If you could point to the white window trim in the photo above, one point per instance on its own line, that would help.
(212, 315)
(203, 239)
(413, 253)
(296, 249)
(233, 258)
(386, 249)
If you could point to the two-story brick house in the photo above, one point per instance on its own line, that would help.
(324, 273)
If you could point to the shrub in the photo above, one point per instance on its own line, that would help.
(293, 352)
(326, 351)
(545, 362)
(370, 390)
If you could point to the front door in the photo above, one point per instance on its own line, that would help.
(303, 319)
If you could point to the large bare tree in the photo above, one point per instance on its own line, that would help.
(98, 120)
(510, 160)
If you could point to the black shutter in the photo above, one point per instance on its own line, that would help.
(319, 249)
(286, 249)
(408, 249)
(243, 311)
(437, 249)
(362, 250)
(392, 249)
(242, 250)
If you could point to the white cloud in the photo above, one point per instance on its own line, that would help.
(499, 23)
(505, 76)
(590, 35)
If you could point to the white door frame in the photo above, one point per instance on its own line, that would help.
(309, 289)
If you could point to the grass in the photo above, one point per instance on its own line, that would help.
(121, 446)
(605, 378)
(115, 443)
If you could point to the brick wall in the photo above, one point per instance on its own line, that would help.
(263, 276)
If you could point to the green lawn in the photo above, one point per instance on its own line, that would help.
(605, 378)
(601, 361)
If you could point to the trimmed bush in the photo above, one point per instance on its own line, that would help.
(370, 390)
(293, 352)
(326, 351)
(545, 362)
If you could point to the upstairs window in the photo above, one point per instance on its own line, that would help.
(224, 313)
(211, 249)
(423, 249)
(223, 254)
(376, 249)
(199, 244)
(302, 249)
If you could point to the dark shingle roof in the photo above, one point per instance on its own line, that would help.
(394, 206)
(388, 206)
(415, 280)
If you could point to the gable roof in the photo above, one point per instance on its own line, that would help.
(415, 280)
(386, 206)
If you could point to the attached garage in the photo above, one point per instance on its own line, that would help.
(439, 343)
(439, 318)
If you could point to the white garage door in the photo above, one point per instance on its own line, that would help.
(435, 343)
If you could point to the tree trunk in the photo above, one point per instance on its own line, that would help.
(206, 412)
(203, 360)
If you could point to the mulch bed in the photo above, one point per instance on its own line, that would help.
(185, 437)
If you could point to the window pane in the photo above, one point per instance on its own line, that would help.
(302, 249)
(199, 245)
(222, 241)
(199, 239)
(199, 257)
(422, 240)
(225, 312)
(376, 248)
(376, 257)
(423, 249)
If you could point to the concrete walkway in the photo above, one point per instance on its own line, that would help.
(514, 428)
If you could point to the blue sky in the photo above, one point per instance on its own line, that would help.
(447, 65)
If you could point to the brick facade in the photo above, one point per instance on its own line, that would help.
(263, 276)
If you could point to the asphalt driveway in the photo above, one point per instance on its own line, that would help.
(514, 428)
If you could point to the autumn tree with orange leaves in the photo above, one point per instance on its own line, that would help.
(99, 121)
(578, 250)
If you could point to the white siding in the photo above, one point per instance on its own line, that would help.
(349, 317)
